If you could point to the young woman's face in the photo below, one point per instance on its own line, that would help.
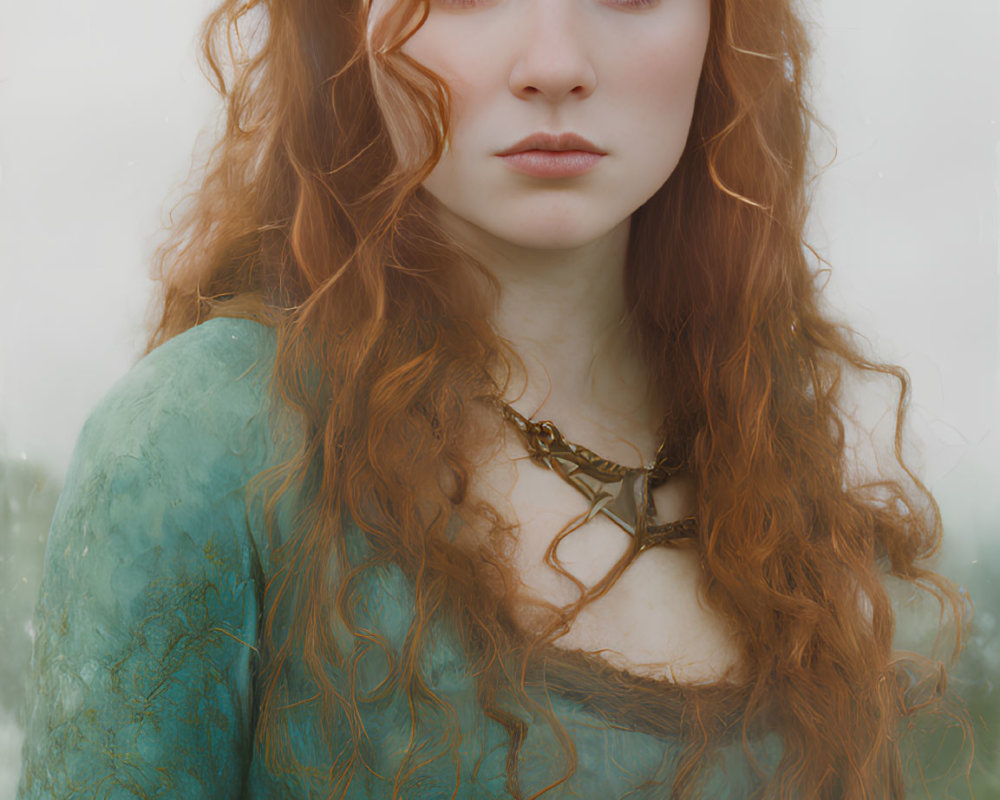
(622, 74)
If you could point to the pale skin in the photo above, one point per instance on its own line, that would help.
(623, 76)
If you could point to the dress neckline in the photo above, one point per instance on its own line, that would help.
(634, 702)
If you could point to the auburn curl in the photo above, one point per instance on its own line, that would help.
(304, 218)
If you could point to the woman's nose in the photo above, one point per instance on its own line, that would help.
(552, 54)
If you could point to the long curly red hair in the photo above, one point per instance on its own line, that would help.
(304, 219)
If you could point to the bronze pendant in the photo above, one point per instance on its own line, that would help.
(620, 493)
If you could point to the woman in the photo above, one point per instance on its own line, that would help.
(344, 532)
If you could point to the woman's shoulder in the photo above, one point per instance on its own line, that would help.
(213, 376)
(199, 403)
(223, 342)
(221, 367)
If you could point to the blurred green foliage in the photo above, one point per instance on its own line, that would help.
(27, 499)
(976, 675)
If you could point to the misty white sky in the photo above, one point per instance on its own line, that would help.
(101, 103)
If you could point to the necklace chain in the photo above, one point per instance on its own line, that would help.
(620, 493)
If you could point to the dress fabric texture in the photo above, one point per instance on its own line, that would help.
(143, 669)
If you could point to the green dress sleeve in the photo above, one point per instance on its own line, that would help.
(141, 677)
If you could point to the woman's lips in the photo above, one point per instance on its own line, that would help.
(552, 163)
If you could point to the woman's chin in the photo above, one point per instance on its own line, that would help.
(540, 231)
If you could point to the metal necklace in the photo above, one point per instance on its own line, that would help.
(620, 493)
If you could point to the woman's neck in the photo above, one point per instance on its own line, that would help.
(565, 314)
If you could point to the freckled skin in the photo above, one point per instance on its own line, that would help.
(652, 621)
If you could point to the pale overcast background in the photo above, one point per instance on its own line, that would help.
(101, 104)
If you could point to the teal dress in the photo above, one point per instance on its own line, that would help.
(143, 669)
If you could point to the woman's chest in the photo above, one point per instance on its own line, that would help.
(651, 621)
